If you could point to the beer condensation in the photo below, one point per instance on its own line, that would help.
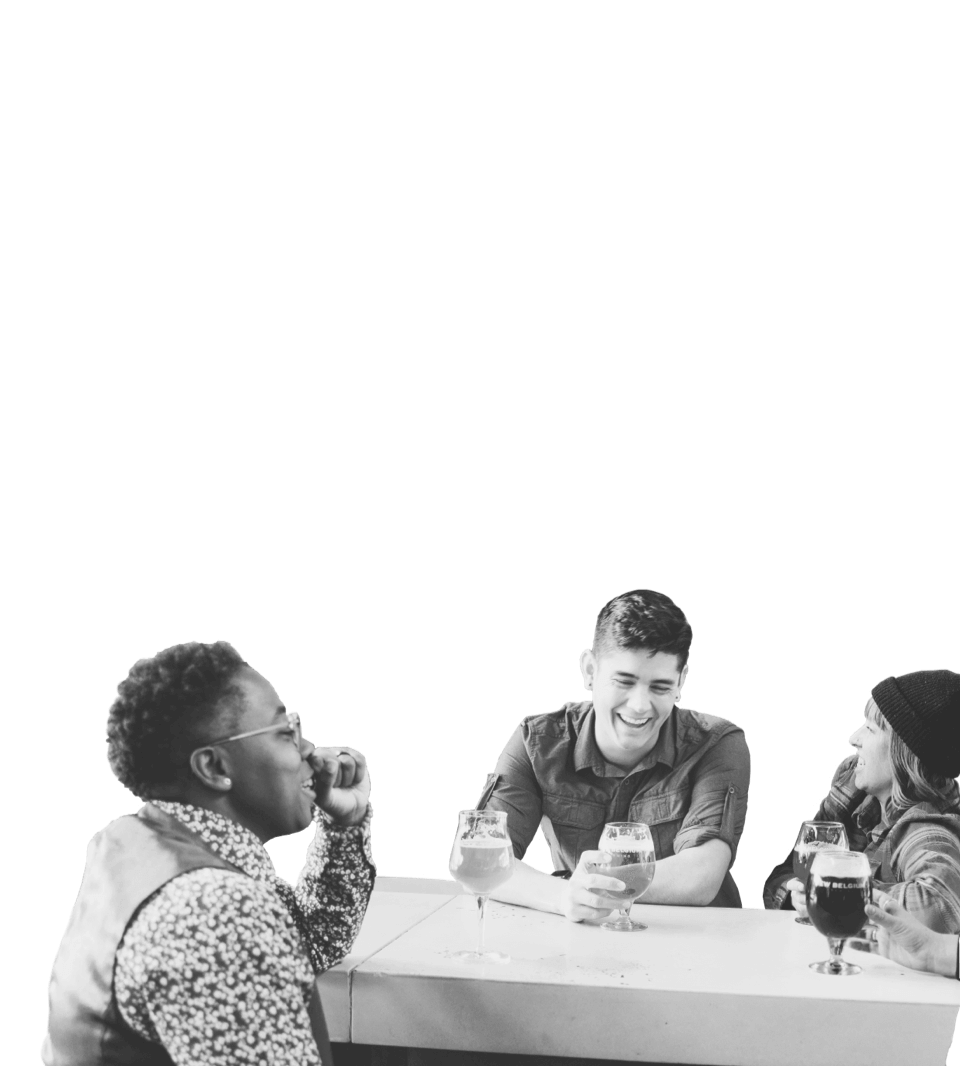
(481, 865)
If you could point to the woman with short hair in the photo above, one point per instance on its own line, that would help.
(184, 946)
(898, 800)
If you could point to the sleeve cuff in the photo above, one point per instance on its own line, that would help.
(329, 824)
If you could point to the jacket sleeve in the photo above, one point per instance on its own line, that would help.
(926, 859)
(775, 895)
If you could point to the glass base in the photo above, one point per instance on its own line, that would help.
(803, 921)
(623, 925)
(480, 956)
(835, 968)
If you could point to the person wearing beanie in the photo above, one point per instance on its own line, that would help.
(898, 800)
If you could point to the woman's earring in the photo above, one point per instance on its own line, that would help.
(227, 782)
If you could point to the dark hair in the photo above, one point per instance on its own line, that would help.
(643, 619)
(163, 708)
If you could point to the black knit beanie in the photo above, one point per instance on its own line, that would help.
(923, 709)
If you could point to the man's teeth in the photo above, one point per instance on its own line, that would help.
(634, 721)
(307, 786)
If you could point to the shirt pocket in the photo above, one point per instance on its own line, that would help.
(664, 814)
(576, 825)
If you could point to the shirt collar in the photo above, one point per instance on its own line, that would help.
(229, 839)
(587, 756)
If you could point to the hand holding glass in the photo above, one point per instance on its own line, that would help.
(813, 838)
(632, 860)
(481, 860)
(838, 892)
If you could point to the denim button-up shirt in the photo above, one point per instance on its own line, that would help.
(691, 787)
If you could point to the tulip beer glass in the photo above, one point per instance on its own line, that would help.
(838, 891)
(482, 859)
(813, 838)
(632, 861)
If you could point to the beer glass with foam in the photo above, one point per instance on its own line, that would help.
(813, 838)
(632, 860)
(481, 859)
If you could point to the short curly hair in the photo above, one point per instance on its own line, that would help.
(165, 708)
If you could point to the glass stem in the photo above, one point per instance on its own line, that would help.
(836, 950)
(481, 905)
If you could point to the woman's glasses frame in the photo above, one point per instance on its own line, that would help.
(292, 722)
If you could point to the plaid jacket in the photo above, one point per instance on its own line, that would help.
(915, 857)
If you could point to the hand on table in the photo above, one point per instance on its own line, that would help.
(798, 896)
(342, 783)
(904, 939)
(585, 894)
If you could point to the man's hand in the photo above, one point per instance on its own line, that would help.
(798, 896)
(342, 783)
(585, 895)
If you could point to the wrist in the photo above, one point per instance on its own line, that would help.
(944, 955)
(353, 820)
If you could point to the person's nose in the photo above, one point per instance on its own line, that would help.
(306, 748)
(639, 700)
(855, 738)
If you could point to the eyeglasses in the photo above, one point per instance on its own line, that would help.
(292, 723)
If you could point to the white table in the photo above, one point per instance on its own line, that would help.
(702, 985)
(396, 905)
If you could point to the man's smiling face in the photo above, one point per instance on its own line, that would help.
(634, 691)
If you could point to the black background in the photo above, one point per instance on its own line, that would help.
(429, 676)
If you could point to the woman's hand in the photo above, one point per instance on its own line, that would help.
(798, 896)
(342, 783)
(903, 939)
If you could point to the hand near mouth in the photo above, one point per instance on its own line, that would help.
(342, 783)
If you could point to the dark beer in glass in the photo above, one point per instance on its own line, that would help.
(838, 891)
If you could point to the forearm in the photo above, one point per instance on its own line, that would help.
(942, 957)
(528, 887)
(692, 878)
(333, 891)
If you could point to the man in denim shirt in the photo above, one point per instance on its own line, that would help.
(630, 754)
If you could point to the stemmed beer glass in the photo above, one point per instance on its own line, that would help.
(482, 859)
(813, 838)
(632, 861)
(838, 891)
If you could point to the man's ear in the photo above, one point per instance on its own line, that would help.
(683, 675)
(588, 668)
(210, 768)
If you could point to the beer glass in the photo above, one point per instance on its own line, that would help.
(813, 838)
(632, 861)
(481, 859)
(838, 891)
